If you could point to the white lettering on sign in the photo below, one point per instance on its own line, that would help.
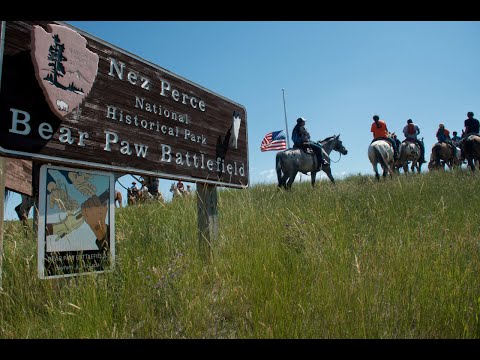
(117, 69)
(125, 149)
(21, 126)
(140, 103)
(195, 160)
(132, 76)
(165, 90)
(116, 114)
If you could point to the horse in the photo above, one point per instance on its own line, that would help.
(290, 162)
(131, 197)
(152, 185)
(381, 152)
(118, 198)
(409, 151)
(471, 150)
(442, 154)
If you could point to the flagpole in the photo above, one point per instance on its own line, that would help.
(286, 123)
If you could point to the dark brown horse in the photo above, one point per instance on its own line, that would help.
(471, 150)
(442, 154)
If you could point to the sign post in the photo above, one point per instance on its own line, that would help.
(2, 197)
(71, 99)
(207, 218)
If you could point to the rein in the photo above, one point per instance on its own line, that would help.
(339, 157)
(121, 185)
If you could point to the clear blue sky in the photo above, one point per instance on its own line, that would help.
(335, 74)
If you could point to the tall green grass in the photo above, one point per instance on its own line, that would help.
(361, 259)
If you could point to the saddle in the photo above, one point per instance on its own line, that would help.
(306, 149)
(470, 137)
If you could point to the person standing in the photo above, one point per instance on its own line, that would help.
(380, 132)
(411, 132)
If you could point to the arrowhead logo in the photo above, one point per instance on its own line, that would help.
(64, 67)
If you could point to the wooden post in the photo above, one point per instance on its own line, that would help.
(35, 192)
(2, 162)
(207, 218)
(2, 205)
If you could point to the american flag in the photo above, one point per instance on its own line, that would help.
(274, 140)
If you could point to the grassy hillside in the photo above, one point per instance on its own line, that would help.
(395, 259)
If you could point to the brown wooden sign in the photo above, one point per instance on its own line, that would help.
(70, 98)
(19, 176)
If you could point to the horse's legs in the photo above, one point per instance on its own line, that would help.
(313, 175)
(375, 169)
(471, 164)
(386, 171)
(291, 180)
(328, 170)
(283, 181)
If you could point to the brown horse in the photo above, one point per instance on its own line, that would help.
(131, 197)
(442, 153)
(118, 198)
(471, 150)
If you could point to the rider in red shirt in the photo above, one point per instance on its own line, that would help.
(380, 132)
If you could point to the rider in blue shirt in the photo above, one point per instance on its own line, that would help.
(301, 139)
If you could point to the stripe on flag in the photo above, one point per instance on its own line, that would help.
(274, 140)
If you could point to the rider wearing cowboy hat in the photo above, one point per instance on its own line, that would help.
(301, 139)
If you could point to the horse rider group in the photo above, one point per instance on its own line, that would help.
(411, 131)
(145, 192)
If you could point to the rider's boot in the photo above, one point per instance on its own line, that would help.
(321, 163)
(422, 158)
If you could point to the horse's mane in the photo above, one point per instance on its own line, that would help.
(327, 139)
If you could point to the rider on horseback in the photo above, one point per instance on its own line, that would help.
(455, 138)
(380, 132)
(472, 127)
(443, 135)
(301, 139)
(411, 131)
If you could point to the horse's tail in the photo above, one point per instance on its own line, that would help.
(379, 158)
(468, 147)
(437, 149)
(278, 167)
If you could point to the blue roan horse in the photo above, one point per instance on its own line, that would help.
(290, 162)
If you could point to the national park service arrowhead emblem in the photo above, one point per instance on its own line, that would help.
(64, 67)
